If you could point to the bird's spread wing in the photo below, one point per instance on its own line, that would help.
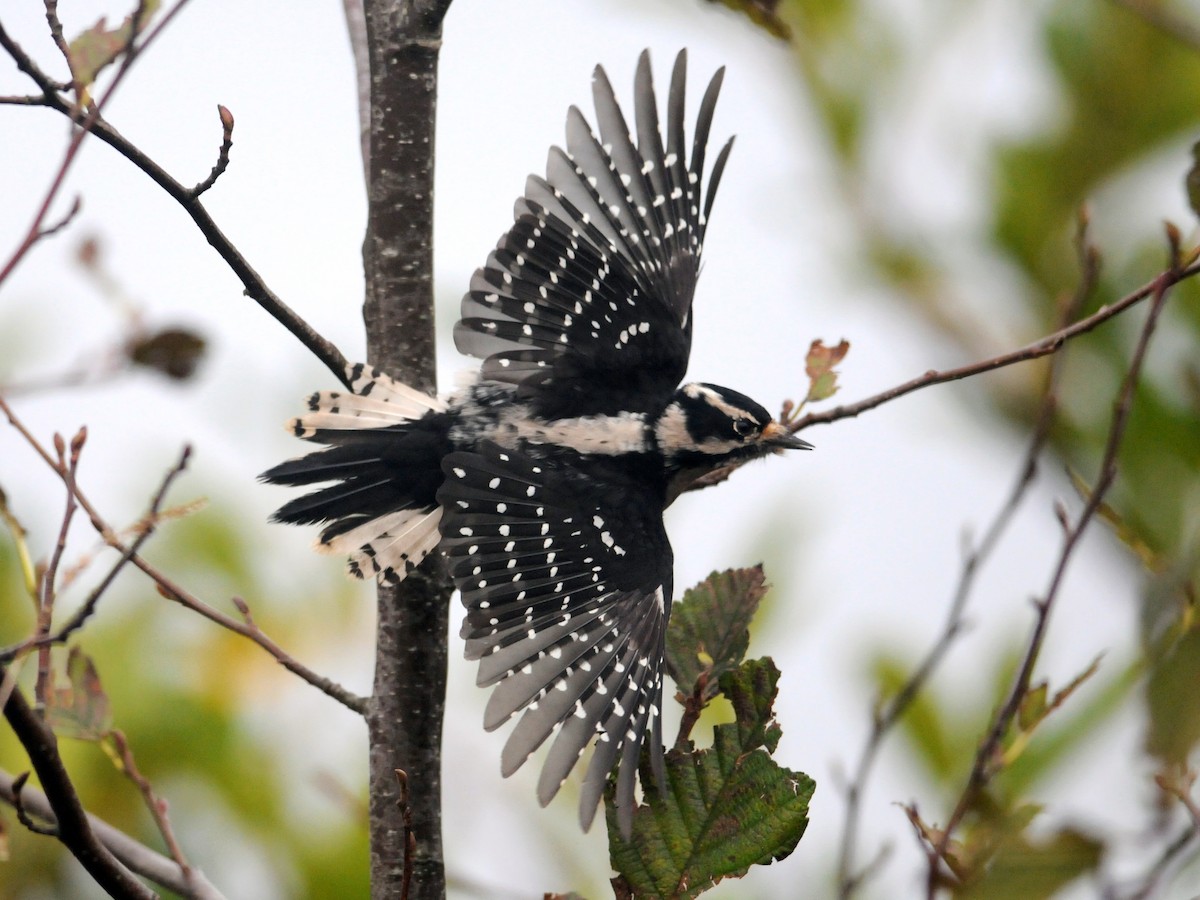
(567, 591)
(586, 301)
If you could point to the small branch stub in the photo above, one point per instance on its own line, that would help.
(222, 155)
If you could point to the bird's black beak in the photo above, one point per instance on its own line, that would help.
(778, 436)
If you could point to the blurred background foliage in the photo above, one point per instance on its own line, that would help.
(1123, 82)
(1125, 78)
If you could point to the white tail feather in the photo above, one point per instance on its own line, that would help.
(377, 401)
(390, 547)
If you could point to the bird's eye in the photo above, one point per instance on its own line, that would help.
(743, 427)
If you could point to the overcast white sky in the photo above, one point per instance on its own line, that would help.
(861, 536)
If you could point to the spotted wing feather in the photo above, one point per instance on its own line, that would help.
(567, 593)
(586, 302)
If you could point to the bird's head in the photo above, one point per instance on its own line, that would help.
(706, 428)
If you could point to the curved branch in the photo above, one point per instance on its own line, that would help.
(139, 858)
(74, 828)
(255, 287)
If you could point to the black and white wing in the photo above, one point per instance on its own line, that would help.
(567, 592)
(586, 301)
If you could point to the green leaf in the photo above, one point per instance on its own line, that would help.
(751, 690)
(1174, 702)
(723, 809)
(97, 47)
(1025, 871)
(710, 627)
(81, 709)
(1033, 707)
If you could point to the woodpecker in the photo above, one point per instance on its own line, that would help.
(544, 482)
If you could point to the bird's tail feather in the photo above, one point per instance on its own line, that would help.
(382, 465)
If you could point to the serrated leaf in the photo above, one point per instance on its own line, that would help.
(97, 47)
(81, 709)
(751, 690)
(723, 809)
(710, 627)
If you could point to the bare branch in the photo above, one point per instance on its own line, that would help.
(136, 856)
(1042, 347)
(983, 768)
(18, 785)
(156, 806)
(172, 591)
(884, 719)
(88, 607)
(68, 217)
(127, 55)
(23, 100)
(74, 828)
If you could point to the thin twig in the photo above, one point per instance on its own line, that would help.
(18, 803)
(1039, 348)
(1179, 785)
(222, 155)
(255, 287)
(74, 827)
(983, 766)
(53, 229)
(127, 55)
(66, 468)
(249, 630)
(155, 804)
(56, 35)
(135, 855)
(885, 717)
(23, 100)
(172, 591)
(145, 528)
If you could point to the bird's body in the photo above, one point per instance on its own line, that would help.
(545, 480)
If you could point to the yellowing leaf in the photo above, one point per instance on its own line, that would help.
(97, 47)
(81, 709)
(818, 365)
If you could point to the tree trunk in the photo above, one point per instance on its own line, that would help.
(404, 717)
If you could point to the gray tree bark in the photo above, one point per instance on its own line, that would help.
(404, 715)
